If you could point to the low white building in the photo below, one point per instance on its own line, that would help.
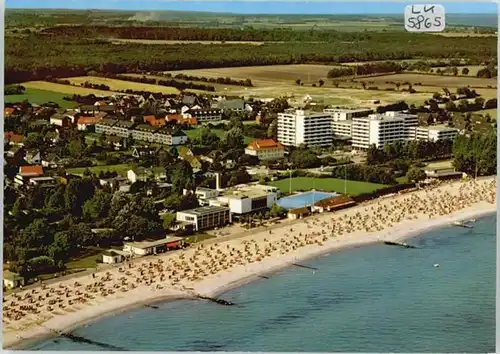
(204, 194)
(206, 217)
(249, 198)
(152, 247)
(114, 256)
(12, 280)
(436, 132)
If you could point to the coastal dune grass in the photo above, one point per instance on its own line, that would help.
(326, 185)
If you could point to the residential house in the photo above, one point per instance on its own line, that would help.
(190, 100)
(60, 120)
(144, 151)
(236, 105)
(13, 139)
(195, 162)
(265, 149)
(33, 156)
(52, 136)
(184, 151)
(88, 109)
(113, 182)
(170, 136)
(114, 256)
(108, 108)
(8, 111)
(298, 213)
(115, 141)
(39, 123)
(72, 114)
(106, 126)
(100, 103)
(51, 161)
(44, 182)
(205, 115)
(85, 122)
(26, 173)
(144, 174)
(154, 121)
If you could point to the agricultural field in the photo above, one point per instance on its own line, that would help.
(218, 87)
(37, 96)
(432, 80)
(123, 85)
(326, 185)
(171, 42)
(65, 89)
(266, 75)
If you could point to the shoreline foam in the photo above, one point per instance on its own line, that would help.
(236, 276)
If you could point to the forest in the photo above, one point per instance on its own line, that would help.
(36, 56)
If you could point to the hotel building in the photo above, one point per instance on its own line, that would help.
(301, 127)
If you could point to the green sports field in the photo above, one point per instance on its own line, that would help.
(326, 185)
(40, 97)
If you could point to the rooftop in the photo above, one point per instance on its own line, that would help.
(155, 243)
(442, 128)
(209, 209)
(264, 144)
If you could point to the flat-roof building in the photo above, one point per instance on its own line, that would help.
(381, 129)
(302, 127)
(248, 198)
(348, 114)
(151, 247)
(436, 133)
(206, 217)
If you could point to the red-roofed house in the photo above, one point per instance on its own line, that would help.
(265, 149)
(174, 117)
(28, 172)
(188, 121)
(85, 122)
(8, 111)
(13, 139)
(155, 122)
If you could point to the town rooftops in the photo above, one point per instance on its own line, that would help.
(145, 127)
(441, 128)
(262, 144)
(232, 104)
(89, 120)
(13, 138)
(205, 210)
(27, 171)
(109, 122)
(124, 124)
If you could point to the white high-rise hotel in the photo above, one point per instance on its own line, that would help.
(308, 128)
(381, 129)
(364, 129)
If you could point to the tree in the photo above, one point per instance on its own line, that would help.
(81, 235)
(298, 81)
(76, 148)
(33, 140)
(60, 248)
(129, 142)
(97, 207)
(36, 234)
(188, 201)
(321, 83)
(77, 192)
(277, 210)
(182, 176)
(272, 131)
(465, 71)
(454, 71)
(233, 138)
(415, 175)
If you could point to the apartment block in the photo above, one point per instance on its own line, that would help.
(381, 129)
(348, 114)
(303, 127)
(436, 132)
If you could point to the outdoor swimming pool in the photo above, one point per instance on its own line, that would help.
(303, 199)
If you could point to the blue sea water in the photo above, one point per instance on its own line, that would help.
(373, 298)
(303, 199)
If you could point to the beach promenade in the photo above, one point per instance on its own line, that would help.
(212, 268)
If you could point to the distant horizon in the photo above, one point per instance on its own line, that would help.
(250, 8)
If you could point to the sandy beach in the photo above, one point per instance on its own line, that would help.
(210, 269)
